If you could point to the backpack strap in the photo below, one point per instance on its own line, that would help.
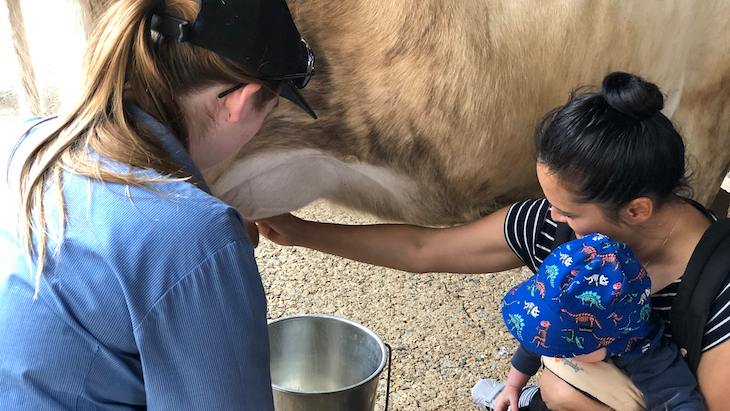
(707, 271)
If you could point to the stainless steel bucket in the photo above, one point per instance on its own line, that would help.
(325, 363)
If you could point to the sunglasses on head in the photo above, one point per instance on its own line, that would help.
(299, 80)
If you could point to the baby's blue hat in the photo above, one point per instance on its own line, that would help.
(589, 293)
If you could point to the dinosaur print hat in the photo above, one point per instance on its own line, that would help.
(589, 293)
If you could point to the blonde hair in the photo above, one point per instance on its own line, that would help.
(123, 61)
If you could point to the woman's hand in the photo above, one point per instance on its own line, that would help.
(509, 396)
(281, 229)
(252, 232)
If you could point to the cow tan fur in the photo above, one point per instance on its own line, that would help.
(427, 108)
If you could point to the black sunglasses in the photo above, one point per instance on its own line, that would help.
(299, 80)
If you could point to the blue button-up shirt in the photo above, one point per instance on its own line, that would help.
(151, 299)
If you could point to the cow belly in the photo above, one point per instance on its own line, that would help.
(269, 184)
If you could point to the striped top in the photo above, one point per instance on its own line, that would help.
(530, 232)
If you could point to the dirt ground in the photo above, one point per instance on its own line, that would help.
(446, 330)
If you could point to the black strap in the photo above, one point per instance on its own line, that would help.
(563, 234)
(171, 26)
(706, 273)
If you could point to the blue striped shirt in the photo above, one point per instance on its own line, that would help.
(151, 300)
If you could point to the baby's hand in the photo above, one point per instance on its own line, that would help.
(508, 397)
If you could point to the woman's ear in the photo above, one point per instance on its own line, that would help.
(638, 210)
(235, 103)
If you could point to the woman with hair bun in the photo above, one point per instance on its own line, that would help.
(608, 162)
(124, 283)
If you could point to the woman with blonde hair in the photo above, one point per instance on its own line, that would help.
(124, 284)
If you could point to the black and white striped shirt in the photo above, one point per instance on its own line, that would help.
(530, 232)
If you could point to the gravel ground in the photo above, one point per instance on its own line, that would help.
(446, 330)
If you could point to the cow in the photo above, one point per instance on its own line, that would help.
(427, 108)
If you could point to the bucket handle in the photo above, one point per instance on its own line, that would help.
(387, 384)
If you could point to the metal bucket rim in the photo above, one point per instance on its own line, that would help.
(367, 330)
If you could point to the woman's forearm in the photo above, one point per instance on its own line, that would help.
(479, 247)
(390, 245)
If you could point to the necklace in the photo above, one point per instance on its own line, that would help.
(664, 242)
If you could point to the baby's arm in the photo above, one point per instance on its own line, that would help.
(664, 378)
(510, 395)
(525, 364)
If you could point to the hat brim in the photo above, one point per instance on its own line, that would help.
(291, 93)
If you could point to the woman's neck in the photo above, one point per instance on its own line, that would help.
(666, 241)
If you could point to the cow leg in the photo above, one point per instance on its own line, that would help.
(22, 53)
(88, 13)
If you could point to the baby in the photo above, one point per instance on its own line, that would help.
(590, 302)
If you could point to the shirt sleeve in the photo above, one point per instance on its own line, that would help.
(526, 361)
(529, 231)
(204, 344)
(717, 329)
(663, 377)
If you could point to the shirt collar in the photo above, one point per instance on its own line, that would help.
(170, 144)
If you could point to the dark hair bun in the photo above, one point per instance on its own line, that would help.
(631, 95)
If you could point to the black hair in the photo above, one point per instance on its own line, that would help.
(614, 145)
